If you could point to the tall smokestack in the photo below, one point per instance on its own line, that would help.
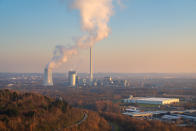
(48, 77)
(91, 65)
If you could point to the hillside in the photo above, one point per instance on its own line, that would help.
(35, 112)
(29, 111)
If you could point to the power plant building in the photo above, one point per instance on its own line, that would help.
(72, 78)
(48, 77)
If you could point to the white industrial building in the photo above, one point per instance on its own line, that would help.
(151, 100)
(72, 78)
(138, 114)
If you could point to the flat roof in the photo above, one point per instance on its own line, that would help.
(137, 113)
(170, 117)
(153, 98)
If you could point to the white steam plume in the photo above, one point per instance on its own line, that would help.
(95, 15)
(61, 55)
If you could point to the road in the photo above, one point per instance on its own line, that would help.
(82, 120)
(79, 122)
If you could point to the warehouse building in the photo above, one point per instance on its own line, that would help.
(151, 100)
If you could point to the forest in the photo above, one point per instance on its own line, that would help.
(35, 112)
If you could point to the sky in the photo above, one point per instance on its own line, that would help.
(147, 36)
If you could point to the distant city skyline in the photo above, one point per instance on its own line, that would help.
(147, 36)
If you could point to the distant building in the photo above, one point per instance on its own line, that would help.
(48, 77)
(151, 100)
(109, 78)
(77, 81)
(83, 82)
(94, 83)
(108, 81)
(72, 78)
(138, 114)
(124, 83)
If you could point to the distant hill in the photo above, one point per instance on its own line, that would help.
(35, 112)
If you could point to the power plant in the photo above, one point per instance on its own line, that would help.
(48, 77)
(98, 31)
(73, 79)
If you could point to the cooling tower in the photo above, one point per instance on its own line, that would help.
(48, 77)
(91, 66)
(72, 78)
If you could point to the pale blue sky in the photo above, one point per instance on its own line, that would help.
(146, 36)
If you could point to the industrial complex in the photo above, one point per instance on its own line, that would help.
(75, 81)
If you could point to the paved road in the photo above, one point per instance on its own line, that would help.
(84, 118)
(79, 122)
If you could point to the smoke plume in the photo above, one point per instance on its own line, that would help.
(95, 15)
(61, 55)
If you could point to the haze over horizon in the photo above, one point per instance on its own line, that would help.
(146, 36)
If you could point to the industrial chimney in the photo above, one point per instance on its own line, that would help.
(91, 66)
(48, 77)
